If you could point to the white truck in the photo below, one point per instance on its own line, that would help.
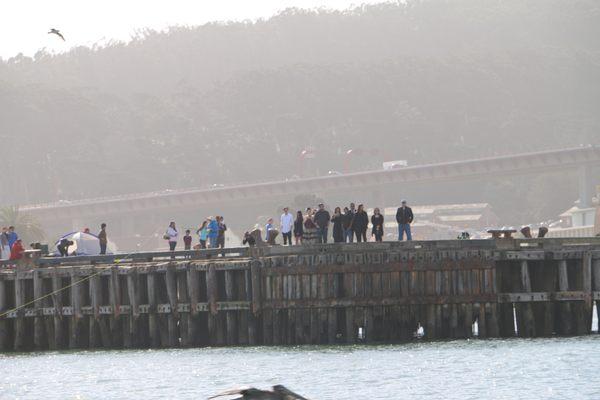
(388, 165)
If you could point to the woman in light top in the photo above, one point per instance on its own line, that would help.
(171, 236)
(202, 232)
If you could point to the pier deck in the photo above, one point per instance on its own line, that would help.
(316, 294)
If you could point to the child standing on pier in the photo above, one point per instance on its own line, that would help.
(187, 240)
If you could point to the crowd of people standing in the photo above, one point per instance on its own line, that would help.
(11, 247)
(352, 223)
(211, 234)
(311, 226)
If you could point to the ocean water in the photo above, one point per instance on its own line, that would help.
(557, 368)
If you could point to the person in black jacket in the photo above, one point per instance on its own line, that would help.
(322, 219)
(404, 217)
(360, 224)
(377, 223)
(338, 221)
(348, 217)
(299, 227)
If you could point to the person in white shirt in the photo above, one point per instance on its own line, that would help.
(171, 236)
(287, 224)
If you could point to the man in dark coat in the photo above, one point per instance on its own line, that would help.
(322, 219)
(404, 217)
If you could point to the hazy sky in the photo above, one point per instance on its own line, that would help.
(24, 23)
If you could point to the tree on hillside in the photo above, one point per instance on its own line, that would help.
(25, 225)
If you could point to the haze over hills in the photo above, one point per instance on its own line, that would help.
(425, 81)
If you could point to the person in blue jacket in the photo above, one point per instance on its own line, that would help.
(213, 232)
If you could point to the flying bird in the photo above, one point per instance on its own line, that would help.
(57, 33)
(279, 392)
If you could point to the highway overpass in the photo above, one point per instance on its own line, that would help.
(582, 159)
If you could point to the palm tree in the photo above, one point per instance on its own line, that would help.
(25, 225)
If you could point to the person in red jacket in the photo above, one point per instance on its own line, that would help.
(17, 250)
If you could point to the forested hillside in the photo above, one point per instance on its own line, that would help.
(424, 81)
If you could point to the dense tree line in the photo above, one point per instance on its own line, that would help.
(424, 81)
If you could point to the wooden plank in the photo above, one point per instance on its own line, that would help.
(153, 332)
(587, 306)
(19, 330)
(193, 290)
(114, 294)
(314, 325)
(328, 326)
(74, 321)
(230, 315)
(565, 320)
(465, 264)
(131, 322)
(183, 298)
(173, 316)
(482, 321)
(596, 284)
(57, 303)
(4, 346)
(38, 322)
(255, 271)
(525, 320)
(94, 335)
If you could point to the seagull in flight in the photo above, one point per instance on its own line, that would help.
(57, 33)
(279, 392)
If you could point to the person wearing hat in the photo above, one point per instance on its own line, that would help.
(404, 217)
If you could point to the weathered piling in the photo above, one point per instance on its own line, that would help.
(318, 294)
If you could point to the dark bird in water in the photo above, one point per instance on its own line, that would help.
(279, 392)
(57, 33)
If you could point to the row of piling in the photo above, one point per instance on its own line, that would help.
(319, 295)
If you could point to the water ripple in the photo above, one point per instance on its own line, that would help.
(561, 368)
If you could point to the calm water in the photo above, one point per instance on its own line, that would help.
(476, 369)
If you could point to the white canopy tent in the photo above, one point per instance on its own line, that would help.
(85, 244)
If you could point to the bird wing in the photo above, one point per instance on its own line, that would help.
(61, 36)
(286, 393)
(231, 392)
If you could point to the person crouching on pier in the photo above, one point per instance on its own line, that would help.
(171, 236)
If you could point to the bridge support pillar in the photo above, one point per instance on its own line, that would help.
(586, 186)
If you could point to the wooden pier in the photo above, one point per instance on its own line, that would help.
(317, 294)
